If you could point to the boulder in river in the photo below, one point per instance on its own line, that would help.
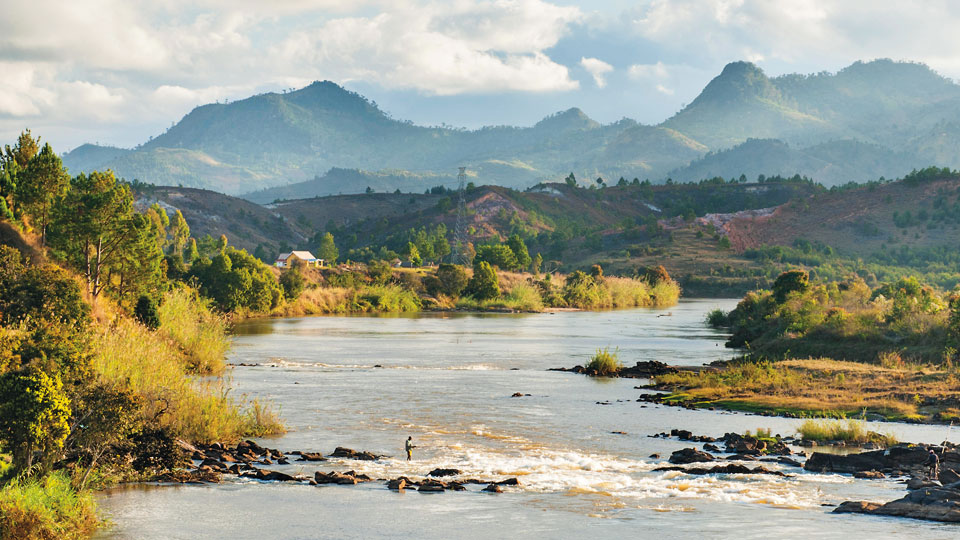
(493, 488)
(311, 456)
(334, 477)
(443, 472)
(432, 485)
(349, 453)
(899, 457)
(935, 504)
(689, 455)
(730, 468)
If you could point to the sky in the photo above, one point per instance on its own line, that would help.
(117, 72)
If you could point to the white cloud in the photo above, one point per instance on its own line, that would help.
(598, 69)
(656, 71)
(475, 47)
(801, 35)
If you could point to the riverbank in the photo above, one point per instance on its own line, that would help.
(369, 289)
(804, 388)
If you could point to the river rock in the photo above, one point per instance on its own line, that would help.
(397, 484)
(269, 476)
(903, 457)
(739, 444)
(730, 468)
(432, 486)
(872, 475)
(493, 488)
(443, 472)
(689, 455)
(787, 461)
(311, 456)
(334, 477)
(349, 453)
(251, 447)
(917, 482)
(935, 504)
(948, 476)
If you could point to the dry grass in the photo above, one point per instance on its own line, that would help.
(188, 321)
(196, 410)
(835, 388)
(848, 431)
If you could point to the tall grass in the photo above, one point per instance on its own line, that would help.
(849, 431)
(341, 300)
(196, 410)
(47, 508)
(605, 362)
(187, 319)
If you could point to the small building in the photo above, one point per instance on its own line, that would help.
(285, 260)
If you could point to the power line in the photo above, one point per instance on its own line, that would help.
(459, 234)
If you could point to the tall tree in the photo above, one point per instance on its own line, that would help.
(328, 249)
(95, 225)
(22, 152)
(519, 249)
(40, 185)
(179, 233)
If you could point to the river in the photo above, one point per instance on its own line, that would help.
(580, 446)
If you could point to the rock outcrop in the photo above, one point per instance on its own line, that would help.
(689, 455)
(935, 504)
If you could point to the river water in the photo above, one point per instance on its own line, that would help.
(579, 446)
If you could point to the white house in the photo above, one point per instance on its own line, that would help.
(285, 260)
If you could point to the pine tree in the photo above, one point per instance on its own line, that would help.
(40, 185)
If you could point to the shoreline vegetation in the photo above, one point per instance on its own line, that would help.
(837, 349)
(412, 290)
(109, 362)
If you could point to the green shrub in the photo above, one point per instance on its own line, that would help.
(484, 284)
(605, 362)
(717, 318)
(34, 410)
(292, 282)
(449, 279)
(789, 282)
(146, 312)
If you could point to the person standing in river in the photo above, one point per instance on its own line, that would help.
(409, 447)
(933, 461)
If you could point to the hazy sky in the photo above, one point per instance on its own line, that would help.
(120, 71)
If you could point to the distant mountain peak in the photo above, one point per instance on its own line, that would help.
(572, 118)
(738, 81)
(330, 95)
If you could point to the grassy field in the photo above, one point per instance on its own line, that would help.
(819, 387)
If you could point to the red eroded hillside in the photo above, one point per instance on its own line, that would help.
(858, 221)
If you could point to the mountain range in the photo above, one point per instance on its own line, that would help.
(870, 119)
